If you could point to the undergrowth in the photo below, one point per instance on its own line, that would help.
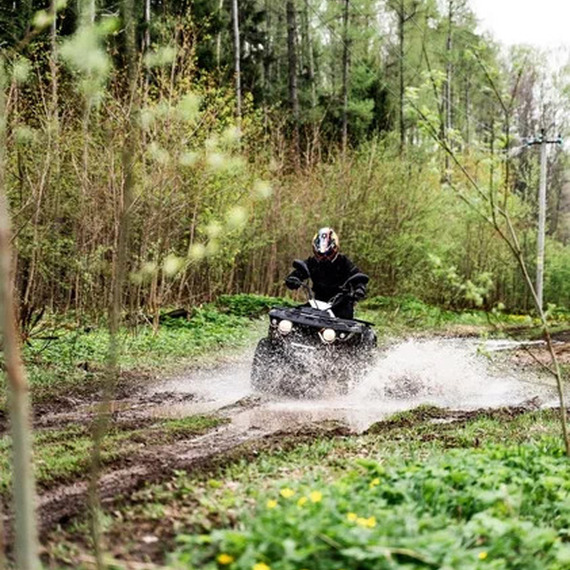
(502, 506)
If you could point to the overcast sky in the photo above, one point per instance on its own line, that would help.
(543, 23)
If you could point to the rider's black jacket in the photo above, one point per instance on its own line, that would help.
(328, 276)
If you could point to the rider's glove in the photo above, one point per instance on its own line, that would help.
(359, 293)
(293, 282)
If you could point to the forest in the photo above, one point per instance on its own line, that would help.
(247, 127)
(162, 163)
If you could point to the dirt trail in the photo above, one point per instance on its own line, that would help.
(150, 465)
(450, 373)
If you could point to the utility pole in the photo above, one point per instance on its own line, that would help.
(542, 141)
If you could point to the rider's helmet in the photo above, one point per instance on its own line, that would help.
(325, 244)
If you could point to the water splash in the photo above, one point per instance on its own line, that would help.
(453, 373)
(447, 373)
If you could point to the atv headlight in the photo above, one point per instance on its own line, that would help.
(329, 335)
(285, 326)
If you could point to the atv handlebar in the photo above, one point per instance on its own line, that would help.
(346, 290)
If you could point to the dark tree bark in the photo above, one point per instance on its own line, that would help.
(309, 55)
(292, 65)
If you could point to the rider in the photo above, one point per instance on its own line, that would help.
(329, 270)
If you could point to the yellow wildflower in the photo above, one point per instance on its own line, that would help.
(271, 503)
(351, 517)
(374, 482)
(261, 566)
(482, 555)
(370, 522)
(301, 501)
(225, 559)
(316, 496)
(287, 493)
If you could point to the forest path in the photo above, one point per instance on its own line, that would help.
(462, 375)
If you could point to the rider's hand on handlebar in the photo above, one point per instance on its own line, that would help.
(359, 293)
(293, 282)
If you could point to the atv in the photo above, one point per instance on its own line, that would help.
(308, 350)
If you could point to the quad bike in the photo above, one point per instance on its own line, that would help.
(310, 351)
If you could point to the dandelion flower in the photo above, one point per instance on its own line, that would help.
(374, 482)
(351, 517)
(271, 503)
(316, 497)
(224, 559)
(261, 566)
(287, 493)
(301, 501)
(482, 555)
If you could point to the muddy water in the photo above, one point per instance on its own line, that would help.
(454, 373)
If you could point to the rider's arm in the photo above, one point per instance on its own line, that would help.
(350, 270)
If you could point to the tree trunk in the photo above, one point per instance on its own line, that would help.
(147, 17)
(219, 40)
(292, 61)
(237, 58)
(401, 23)
(267, 65)
(119, 269)
(345, 64)
(20, 425)
(87, 12)
(310, 55)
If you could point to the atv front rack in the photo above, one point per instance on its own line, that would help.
(307, 316)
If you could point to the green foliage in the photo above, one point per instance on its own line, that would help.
(557, 274)
(500, 507)
(409, 312)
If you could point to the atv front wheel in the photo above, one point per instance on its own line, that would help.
(266, 369)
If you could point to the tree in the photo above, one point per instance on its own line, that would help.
(293, 69)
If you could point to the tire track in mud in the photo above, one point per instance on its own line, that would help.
(66, 501)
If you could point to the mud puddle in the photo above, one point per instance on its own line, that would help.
(463, 374)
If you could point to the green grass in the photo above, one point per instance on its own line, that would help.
(395, 499)
(61, 455)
